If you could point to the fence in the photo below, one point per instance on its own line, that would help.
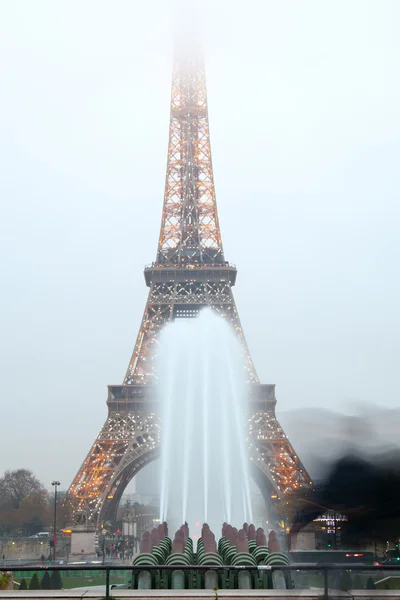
(324, 569)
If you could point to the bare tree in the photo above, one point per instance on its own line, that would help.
(17, 485)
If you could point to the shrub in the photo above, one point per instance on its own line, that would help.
(56, 581)
(23, 585)
(357, 583)
(34, 583)
(5, 580)
(370, 584)
(345, 581)
(45, 584)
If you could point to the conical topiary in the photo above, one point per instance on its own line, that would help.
(23, 585)
(370, 584)
(45, 584)
(56, 581)
(345, 581)
(357, 583)
(34, 583)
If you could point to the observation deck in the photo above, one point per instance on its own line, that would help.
(262, 397)
(131, 398)
(143, 398)
(186, 273)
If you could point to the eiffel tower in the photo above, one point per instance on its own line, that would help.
(190, 272)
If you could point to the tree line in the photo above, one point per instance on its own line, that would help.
(26, 507)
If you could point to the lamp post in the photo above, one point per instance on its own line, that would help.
(56, 484)
(135, 539)
(103, 533)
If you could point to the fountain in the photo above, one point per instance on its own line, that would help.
(203, 395)
(233, 550)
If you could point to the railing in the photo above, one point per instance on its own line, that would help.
(325, 569)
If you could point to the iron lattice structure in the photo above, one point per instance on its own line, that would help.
(190, 272)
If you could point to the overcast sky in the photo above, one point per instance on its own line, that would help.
(304, 103)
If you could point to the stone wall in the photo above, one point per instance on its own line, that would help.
(32, 548)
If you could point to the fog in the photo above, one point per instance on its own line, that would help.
(305, 133)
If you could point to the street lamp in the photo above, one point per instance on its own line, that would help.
(56, 484)
(103, 532)
(135, 539)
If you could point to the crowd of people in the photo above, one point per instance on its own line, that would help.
(121, 549)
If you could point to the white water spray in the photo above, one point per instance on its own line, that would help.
(203, 397)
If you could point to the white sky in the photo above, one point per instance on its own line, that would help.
(304, 112)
